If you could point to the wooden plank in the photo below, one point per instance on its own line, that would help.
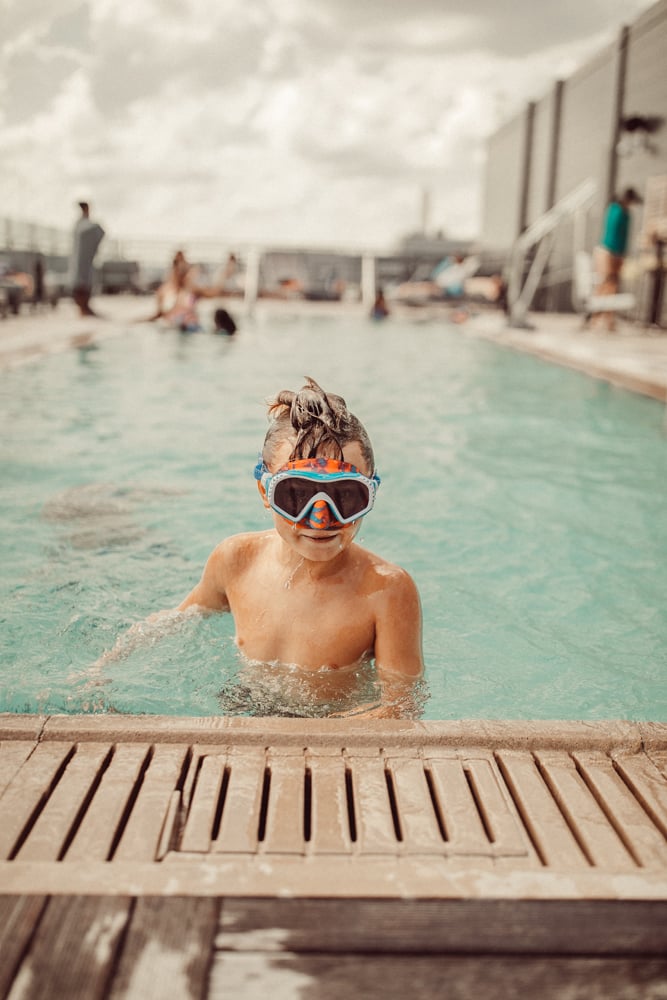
(19, 916)
(647, 783)
(329, 977)
(13, 754)
(428, 926)
(241, 811)
(417, 818)
(198, 830)
(552, 837)
(375, 826)
(141, 836)
(584, 815)
(28, 791)
(497, 811)
(285, 815)
(464, 831)
(74, 948)
(168, 949)
(330, 821)
(49, 834)
(639, 834)
(94, 839)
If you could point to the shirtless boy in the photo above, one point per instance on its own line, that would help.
(304, 592)
(304, 596)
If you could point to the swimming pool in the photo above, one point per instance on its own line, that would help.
(526, 500)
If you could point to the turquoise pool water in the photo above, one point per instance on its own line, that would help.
(526, 500)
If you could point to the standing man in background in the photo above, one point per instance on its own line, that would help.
(610, 254)
(87, 237)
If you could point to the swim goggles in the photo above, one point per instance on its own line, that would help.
(295, 489)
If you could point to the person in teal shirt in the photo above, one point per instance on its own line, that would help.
(612, 249)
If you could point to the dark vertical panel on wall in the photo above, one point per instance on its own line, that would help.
(554, 149)
(526, 166)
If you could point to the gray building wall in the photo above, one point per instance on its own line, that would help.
(575, 135)
(502, 185)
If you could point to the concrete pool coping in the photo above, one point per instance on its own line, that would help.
(633, 358)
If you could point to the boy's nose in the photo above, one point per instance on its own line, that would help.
(320, 516)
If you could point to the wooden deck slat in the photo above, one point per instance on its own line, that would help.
(142, 833)
(638, 832)
(74, 948)
(419, 824)
(375, 826)
(247, 976)
(603, 845)
(497, 811)
(285, 815)
(543, 819)
(647, 784)
(19, 916)
(198, 830)
(95, 836)
(27, 789)
(167, 952)
(240, 815)
(330, 825)
(49, 834)
(438, 926)
(12, 757)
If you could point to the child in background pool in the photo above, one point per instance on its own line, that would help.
(304, 594)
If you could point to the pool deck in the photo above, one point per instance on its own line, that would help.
(633, 358)
(223, 857)
(228, 857)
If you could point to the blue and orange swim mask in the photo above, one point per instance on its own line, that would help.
(299, 490)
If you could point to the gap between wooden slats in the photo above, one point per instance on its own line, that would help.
(420, 831)
(374, 818)
(50, 834)
(141, 836)
(284, 831)
(647, 784)
(598, 839)
(28, 792)
(241, 811)
(100, 825)
(552, 837)
(331, 825)
(205, 804)
(475, 813)
(643, 840)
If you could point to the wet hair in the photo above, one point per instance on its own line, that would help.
(318, 422)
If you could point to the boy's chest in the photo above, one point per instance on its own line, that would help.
(292, 621)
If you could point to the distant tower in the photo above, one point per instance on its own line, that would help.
(426, 210)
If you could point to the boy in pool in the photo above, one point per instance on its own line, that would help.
(304, 592)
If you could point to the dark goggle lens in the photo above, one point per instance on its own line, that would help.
(349, 495)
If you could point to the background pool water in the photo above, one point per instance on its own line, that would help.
(527, 501)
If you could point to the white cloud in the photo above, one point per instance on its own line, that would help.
(285, 122)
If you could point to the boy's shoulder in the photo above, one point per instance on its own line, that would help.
(245, 545)
(388, 574)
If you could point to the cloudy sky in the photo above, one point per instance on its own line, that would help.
(291, 121)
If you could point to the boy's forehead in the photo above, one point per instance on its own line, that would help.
(352, 453)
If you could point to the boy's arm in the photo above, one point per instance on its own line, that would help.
(398, 646)
(210, 591)
(398, 630)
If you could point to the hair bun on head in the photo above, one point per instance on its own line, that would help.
(318, 422)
